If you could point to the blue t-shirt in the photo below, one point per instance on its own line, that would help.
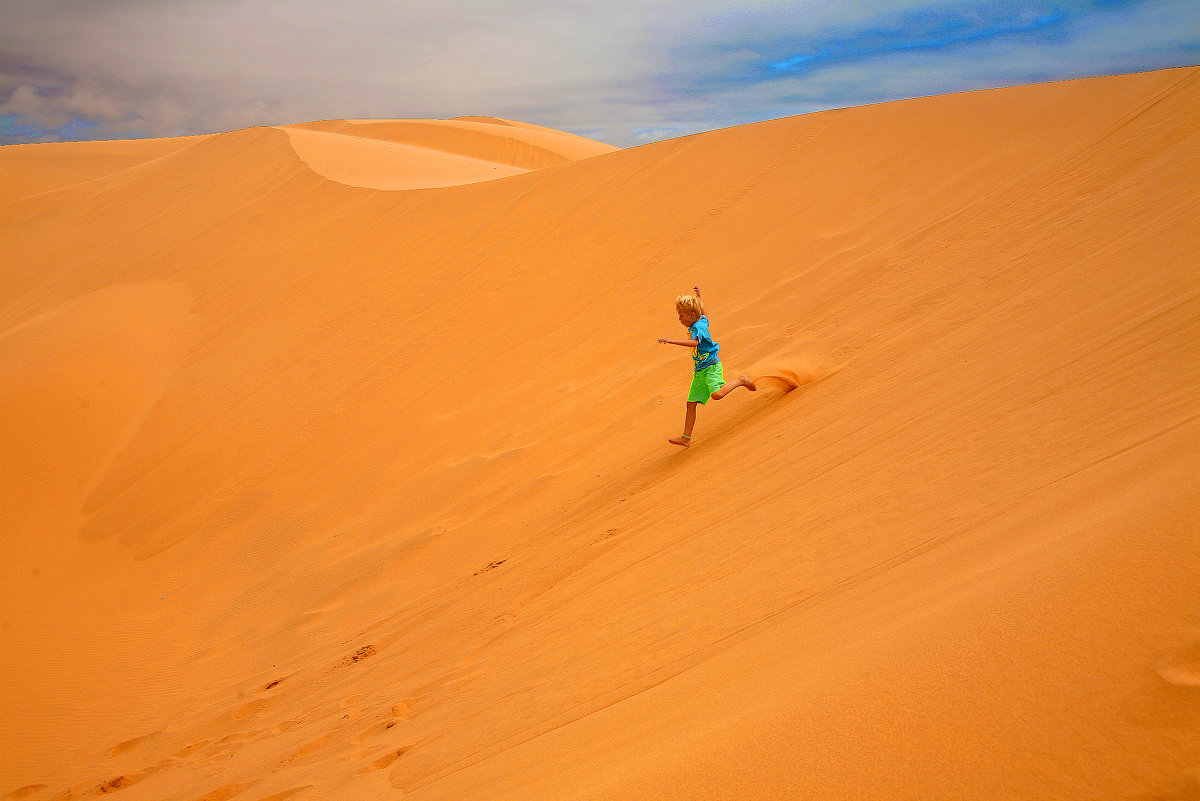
(705, 352)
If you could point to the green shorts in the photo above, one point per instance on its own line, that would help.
(705, 382)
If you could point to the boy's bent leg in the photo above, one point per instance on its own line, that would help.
(689, 420)
(742, 381)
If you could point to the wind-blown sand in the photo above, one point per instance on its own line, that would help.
(331, 469)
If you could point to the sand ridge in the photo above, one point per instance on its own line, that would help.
(32, 169)
(423, 154)
(376, 154)
(381, 500)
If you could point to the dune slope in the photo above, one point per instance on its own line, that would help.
(425, 154)
(316, 490)
(31, 169)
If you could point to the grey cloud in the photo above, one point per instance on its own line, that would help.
(625, 72)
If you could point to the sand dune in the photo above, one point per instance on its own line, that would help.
(355, 161)
(531, 147)
(375, 154)
(319, 487)
(423, 154)
(31, 169)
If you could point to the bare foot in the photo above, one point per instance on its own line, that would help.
(683, 442)
(740, 381)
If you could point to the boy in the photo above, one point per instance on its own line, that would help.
(707, 380)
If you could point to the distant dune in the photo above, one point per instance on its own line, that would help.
(32, 169)
(421, 154)
(375, 154)
(333, 459)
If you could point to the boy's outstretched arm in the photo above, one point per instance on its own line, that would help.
(687, 343)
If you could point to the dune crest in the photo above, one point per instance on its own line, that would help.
(33, 169)
(425, 154)
(315, 491)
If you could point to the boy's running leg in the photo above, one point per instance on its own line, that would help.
(742, 381)
(689, 420)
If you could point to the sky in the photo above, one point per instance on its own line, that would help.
(626, 72)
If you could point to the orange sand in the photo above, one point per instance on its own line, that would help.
(331, 469)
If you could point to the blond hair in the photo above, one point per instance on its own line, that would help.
(689, 303)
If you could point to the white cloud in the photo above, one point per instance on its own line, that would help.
(625, 71)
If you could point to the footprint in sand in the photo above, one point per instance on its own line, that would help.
(128, 780)
(111, 786)
(187, 751)
(490, 567)
(251, 709)
(366, 652)
(373, 731)
(121, 748)
(306, 753)
(286, 726)
(25, 792)
(224, 793)
(387, 759)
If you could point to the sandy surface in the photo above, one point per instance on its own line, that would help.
(426, 154)
(332, 469)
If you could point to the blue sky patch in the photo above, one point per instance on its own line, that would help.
(15, 128)
(926, 31)
(784, 45)
(625, 72)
